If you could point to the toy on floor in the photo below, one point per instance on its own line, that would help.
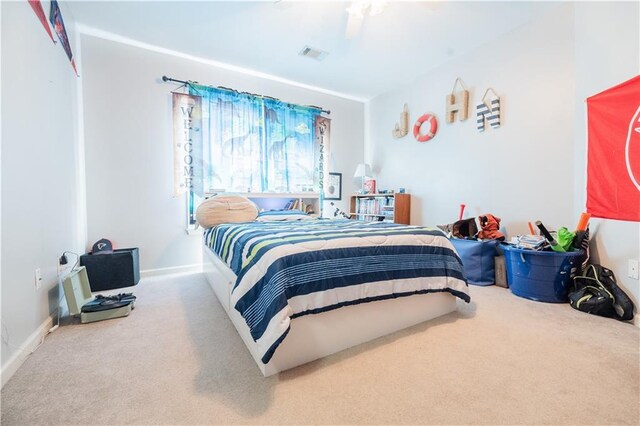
(77, 291)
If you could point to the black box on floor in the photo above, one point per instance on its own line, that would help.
(112, 270)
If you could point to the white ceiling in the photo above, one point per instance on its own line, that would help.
(394, 47)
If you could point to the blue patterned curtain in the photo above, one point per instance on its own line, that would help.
(289, 161)
(231, 135)
(255, 144)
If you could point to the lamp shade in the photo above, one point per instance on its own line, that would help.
(363, 170)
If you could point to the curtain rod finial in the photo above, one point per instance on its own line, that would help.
(165, 78)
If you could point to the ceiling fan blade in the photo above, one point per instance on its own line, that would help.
(354, 24)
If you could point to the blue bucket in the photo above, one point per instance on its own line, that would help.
(544, 276)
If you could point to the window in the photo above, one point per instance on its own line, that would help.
(255, 144)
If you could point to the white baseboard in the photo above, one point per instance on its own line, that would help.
(196, 267)
(20, 355)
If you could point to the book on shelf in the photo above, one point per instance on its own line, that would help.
(375, 206)
(385, 207)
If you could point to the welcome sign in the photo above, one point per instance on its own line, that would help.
(187, 144)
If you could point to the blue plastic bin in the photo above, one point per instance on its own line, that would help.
(544, 276)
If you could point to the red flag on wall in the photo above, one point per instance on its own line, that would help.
(613, 165)
(36, 5)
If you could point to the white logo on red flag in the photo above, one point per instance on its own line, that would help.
(633, 143)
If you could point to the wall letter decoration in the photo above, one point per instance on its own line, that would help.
(489, 112)
(402, 129)
(433, 127)
(458, 103)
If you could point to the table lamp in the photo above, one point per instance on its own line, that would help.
(362, 171)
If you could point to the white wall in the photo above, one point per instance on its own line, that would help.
(520, 172)
(128, 130)
(38, 174)
(607, 40)
(533, 166)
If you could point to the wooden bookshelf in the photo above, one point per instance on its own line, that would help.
(394, 208)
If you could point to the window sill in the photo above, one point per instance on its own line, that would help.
(312, 195)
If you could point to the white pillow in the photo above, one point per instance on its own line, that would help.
(225, 208)
(282, 215)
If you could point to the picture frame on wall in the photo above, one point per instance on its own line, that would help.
(333, 187)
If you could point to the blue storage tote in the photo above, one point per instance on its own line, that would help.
(544, 276)
(478, 260)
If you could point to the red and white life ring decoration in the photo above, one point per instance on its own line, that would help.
(433, 128)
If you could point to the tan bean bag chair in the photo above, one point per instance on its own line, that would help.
(225, 208)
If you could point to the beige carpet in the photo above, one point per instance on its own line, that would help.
(178, 360)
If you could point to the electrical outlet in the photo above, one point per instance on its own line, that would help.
(38, 278)
(633, 269)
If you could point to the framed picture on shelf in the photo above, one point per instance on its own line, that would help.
(333, 187)
(370, 186)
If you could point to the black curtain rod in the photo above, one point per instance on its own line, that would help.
(189, 82)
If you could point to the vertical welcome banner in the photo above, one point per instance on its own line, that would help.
(187, 144)
(322, 131)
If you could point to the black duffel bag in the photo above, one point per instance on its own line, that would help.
(596, 292)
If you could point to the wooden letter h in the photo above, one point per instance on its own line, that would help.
(461, 106)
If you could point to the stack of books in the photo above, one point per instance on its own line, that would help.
(530, 242)
(379, 205)
(297, 204)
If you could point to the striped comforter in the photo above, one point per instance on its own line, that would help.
(289, 269)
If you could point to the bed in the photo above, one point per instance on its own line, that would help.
(297, 291)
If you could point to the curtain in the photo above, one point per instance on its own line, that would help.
(255, 144)
(289, 162)
(231, 135)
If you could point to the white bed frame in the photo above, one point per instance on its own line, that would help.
(315, 336)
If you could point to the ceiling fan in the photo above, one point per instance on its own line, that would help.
(357, 11)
